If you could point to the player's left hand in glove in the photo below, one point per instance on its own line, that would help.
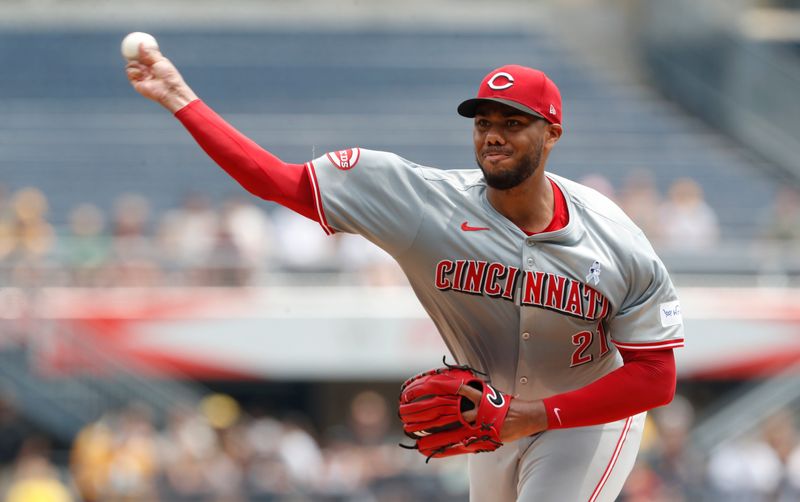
(452, 411)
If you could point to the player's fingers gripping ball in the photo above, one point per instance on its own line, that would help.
(441, 419)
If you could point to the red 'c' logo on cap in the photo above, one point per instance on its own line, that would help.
(500, 87)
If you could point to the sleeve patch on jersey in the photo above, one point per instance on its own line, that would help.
(345, 159)
(670, 313)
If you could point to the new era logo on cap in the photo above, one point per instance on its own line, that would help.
(526, 89)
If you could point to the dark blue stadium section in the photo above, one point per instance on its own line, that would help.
(72, 125)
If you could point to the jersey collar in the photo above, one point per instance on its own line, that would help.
(570, 233)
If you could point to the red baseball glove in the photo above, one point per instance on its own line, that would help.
(443, 421)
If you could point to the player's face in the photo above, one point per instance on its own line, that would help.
(508, 144)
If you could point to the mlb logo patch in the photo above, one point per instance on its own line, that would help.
(345, 159)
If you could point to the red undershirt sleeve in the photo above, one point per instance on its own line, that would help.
(645, 381)
(257, 170)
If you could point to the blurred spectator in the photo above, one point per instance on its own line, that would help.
(186, 446)
(299, 451)
(115, 458)
(793, 473)
(35, 479)
(133, 464)
(687, 222)
(370, 422)
(225, 470)
(644, 485)
(34, 235)
(134, 253)
(369, 418)
(13, 428)
(745, 471)
(86, 248)
(373, 265)
(363, 458)
(187, 236)
(90, 459)
(302, 245)
(244, 242)
(7, 238)
(354, 455)
(600, 183)
(673, 460)
(267, 475)
(782, 222)
(757, 469)
(780, 433)
(640, 200)
(229, 480)
(31, 238)
(780, 236)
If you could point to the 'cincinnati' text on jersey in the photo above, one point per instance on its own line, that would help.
(538, 289)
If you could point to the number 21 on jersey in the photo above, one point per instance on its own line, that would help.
(583, 341)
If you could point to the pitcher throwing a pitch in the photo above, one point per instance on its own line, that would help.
(542, 286)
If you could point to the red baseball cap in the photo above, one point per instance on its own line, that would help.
(520, 87)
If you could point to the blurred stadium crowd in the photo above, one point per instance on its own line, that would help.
(239, 241)
(217, 452)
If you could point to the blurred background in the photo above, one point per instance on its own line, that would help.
(166, 337)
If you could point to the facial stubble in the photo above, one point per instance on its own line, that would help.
(508, 179)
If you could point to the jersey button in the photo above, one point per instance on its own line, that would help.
(523, 380)
(529, 261)
(526, 335)
(530, 242)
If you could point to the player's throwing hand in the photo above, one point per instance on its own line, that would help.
(155, 77)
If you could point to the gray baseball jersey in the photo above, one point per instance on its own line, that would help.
(541, 314)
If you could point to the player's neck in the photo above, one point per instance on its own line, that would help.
(529, 205)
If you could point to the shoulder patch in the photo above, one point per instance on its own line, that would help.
(670, 313)
(345, 159)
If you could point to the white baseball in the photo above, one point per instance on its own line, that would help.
(131, 42)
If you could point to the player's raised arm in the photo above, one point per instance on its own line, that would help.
(261, 173)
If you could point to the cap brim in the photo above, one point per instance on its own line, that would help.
(470, 106)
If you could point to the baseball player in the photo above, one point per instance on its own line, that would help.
(541, 284)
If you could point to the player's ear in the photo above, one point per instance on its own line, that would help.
(552, 133)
